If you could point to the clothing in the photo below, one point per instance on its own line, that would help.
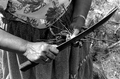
(57, 69)
(38, 13)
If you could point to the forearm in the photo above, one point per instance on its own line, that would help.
(12, 43)
(81, 7)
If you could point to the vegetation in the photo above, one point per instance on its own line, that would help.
(106, 46)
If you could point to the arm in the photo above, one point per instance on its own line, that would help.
(12, 43)
(81, 7)
(33, 51)
(8, 41)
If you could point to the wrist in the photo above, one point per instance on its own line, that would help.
(80, 18)
(79, 22)
(25, 47)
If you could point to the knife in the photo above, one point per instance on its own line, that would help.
(28, 64)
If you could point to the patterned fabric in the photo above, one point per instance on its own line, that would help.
(38, 13)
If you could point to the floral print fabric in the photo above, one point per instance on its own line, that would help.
(38, 13)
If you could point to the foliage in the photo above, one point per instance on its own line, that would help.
(105, 66)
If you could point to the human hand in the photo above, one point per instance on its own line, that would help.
(75, 32)
(41, 52)
(76, 26)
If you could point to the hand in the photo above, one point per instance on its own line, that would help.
(76, 31)
(76, 26)
(41, 52)
(70, 36)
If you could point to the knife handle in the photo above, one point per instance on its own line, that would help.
(27, 65)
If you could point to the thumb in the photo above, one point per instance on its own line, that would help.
(75, 32)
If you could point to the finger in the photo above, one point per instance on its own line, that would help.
(83, 28)
(46, 59)
(40, 59)
(53, 49)
(49, 54)
(68, 37)
(72, 36)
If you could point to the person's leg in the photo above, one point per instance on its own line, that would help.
(74, 61)
(85, 66)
